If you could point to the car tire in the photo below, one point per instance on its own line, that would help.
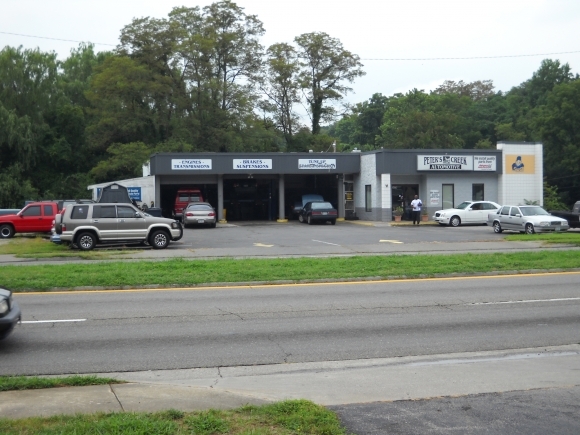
(333, 222)
(300, 218)
(455, 221)
(159, 239)
(310, 222)
(86, 241)
(6, 231)
(530, 229)
(497, 227)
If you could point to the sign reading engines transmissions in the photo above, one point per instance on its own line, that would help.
(191, 164)
(316, 163)
(252, 163)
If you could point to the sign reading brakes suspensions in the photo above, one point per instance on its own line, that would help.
(444, 163)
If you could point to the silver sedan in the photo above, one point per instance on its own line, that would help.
(528, 219)
(199, 213)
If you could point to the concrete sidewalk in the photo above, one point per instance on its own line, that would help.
(326, 383)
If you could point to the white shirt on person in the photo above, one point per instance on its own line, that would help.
(416, 204)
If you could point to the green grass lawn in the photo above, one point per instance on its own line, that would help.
(185, 273)
(8, 383)
(290, 417)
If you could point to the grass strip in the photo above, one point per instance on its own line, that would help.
(8, 383)
(290, 417)
(569, 238)
(186, 272)
(39, 247)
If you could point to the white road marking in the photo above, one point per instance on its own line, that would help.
(54, 321)
(328, 243)
(261, 245)
(525, 301)
(389, 241)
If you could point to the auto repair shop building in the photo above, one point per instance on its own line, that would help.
(366, 186)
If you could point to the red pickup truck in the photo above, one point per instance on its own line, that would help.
(36, 217)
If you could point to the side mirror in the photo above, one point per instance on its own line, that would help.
(137, 214)
(518, 215)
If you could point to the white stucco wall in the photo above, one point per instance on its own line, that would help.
(367, 176)
(515, 187)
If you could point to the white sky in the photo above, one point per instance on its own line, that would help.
(370, 28)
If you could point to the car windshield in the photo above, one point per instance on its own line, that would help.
(321, 205)
(463, 205)
(534, 211)
(199, 207)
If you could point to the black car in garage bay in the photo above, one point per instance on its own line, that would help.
(318, 211)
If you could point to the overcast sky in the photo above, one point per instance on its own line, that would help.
(373, 29)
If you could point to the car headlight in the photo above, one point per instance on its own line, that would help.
(442, 215)
(4, 307)
(544, 224)
(175, 224)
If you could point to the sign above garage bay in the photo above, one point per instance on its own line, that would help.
(252, 163)
(456, 163)
(316, 163)
(191, 164)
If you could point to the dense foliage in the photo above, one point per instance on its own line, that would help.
(199, 80)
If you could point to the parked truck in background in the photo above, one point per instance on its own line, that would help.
(35, 217)
(184, 197)
(573, 217)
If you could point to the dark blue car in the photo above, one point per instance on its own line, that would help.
(9, 313)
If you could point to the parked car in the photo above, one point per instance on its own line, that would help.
(318, 211)
(573, 217)
(36, 217)
(86, 225)
(468, 212)
(299, 205)
(10, 313)
(525, 219)
(199, 213)
(182, 198)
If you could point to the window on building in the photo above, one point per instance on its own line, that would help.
(477, 192)
(448, 196)
(368, 198)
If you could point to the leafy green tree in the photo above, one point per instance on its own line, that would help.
(125, 161)
(418, 120)
(326, 70)
(281, 87)
(558, 125)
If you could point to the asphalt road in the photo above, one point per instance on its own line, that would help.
(515, 371)
(166, 329)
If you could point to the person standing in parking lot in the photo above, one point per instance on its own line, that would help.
(416, 204)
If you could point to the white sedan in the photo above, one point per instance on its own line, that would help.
(468, 212)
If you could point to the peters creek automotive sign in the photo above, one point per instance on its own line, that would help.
(191, 164)
(316, 163)
(445, 163)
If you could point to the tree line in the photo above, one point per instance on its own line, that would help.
(199, 80)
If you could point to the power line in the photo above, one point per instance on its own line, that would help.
(56, 39)
(387, 58)
(477, 57)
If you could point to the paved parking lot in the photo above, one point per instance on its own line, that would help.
(263, 239)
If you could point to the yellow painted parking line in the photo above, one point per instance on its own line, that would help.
(261, 245)
(389, 241)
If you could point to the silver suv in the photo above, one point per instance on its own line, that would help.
(85, 225)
